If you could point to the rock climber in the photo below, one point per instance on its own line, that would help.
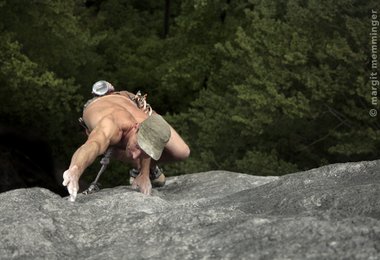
(125, 123)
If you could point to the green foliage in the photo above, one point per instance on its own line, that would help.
(129, 43)
(263, 87)
(287, 91)
(34, 98)
(50, 34)
(264, 164)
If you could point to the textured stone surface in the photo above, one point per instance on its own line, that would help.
(331, 212)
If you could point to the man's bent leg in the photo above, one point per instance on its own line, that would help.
(156, 175)
(175, 150)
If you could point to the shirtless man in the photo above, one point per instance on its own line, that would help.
(114, 120)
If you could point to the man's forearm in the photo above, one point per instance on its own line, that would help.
(145, 165)
(84, 156)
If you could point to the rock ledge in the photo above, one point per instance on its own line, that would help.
(332, 212)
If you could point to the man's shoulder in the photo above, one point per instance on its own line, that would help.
(106, 102)
(124, 93)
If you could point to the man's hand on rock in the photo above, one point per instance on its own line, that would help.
(143, 183)
(70, 179)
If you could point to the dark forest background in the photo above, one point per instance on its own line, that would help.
(262, 87)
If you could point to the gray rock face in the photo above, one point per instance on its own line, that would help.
(331, 212)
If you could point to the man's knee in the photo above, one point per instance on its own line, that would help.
(180, 154)
(185, 153)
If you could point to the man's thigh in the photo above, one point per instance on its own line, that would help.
(176, 148)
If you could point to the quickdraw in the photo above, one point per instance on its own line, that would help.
(141, 103)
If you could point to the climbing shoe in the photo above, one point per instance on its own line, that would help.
(157, 177)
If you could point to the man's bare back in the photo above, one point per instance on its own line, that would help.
(114, 121)
(121, 107)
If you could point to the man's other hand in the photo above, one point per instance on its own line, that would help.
(143, 183)
(70, 180)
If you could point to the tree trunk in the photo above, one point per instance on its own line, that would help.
(166, 18)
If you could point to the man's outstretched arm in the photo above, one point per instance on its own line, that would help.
(97, 143)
